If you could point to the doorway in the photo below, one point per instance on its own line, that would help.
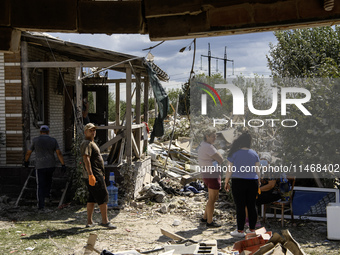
(98, 109)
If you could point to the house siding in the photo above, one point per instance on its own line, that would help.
(11, 115)
(2, 110)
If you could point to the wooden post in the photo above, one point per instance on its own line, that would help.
(128, 116)
(79, 101)
(25, 98)
(146, 99)
(117, 103)
(138, 112)
(146, 106)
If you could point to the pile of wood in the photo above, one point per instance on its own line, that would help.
(174, 161)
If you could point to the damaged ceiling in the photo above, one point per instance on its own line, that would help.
(162, 20)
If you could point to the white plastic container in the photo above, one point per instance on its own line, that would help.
(333, 223)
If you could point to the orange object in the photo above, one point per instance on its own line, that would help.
(92, 180)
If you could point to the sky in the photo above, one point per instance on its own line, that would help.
(248, 51)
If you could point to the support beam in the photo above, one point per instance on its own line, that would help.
(128, 150)
(138, 112)
(25, 99)
(9, 40)
(65, 64)
(146, 99)
(79, 101)
(117, 112)
(167, 19)
(146, 106)
(111, 142)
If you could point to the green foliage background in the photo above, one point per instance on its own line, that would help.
(312, 54)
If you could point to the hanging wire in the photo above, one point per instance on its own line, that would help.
(63, 82)
(152, 47)
(106, 68)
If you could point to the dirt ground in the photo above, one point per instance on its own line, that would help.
(62, 231)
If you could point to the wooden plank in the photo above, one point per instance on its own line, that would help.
(25, 99)
(117, 112)
(79, 101)
(134, 147)
(113, 151)
(146, 106)
(24, 187)
(91, 241)
(121, 152)
(64, 194)
(138, 113)
(111, 142)
(172, 235)
(71, 64)
(128, 116)
(134, 126)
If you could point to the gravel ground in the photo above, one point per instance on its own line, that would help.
(62, 231)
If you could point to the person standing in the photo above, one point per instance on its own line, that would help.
(207, 154)
(94, 174)
(243, 166)
(44, 147)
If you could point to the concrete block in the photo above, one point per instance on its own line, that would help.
(186, 179)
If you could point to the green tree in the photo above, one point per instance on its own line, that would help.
(303, 52)
(313, 54)
(112, 107)
(184, 100)
(173, 95)
(151, 103)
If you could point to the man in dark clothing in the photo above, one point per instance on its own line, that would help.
(44, 147)
(94, 173)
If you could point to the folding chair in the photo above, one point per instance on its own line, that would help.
(284, 206)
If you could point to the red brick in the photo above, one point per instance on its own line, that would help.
(12, 58)
(14, 157)
(13, 106)
(12, 73)
(13, 123)
(13, 90)
(14, 140)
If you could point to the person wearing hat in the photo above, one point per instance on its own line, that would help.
(94, 174)
(44, 147)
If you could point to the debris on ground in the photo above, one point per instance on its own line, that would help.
(262, 242)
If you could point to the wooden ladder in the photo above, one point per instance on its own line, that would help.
(30, 176)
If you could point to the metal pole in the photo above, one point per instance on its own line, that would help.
(225, 62)
(209, 60)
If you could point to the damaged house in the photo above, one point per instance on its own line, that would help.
(45, 83)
